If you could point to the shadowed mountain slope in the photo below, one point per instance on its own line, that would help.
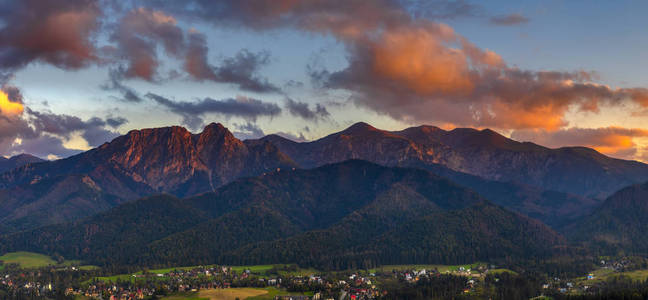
(620, 224)
(358, 205)
(7, 164)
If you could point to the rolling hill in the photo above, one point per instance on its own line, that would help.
(618, 226)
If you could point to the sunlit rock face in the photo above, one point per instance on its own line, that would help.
(143, 162)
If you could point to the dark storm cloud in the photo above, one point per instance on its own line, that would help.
(302, 110)
(192, 112)
(241, 70)
(509, 20)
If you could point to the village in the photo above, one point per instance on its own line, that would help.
(277, 282)
(187, 281)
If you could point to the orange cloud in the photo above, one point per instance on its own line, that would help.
(9, 108)
(614, 141)
(417, 70)
(418, 60)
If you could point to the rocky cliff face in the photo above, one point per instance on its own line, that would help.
(170, 160)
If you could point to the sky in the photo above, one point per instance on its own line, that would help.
(75, 74)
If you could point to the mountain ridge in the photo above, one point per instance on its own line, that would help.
(525, 177)
(485, 153)
(140, 163)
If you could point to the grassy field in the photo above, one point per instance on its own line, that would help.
(500, 271)
(284, 270)
(603, 274)
(258, 269)
(28, 259)
(637, 275)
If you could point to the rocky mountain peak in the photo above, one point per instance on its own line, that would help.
(16, 161)
(359, 128)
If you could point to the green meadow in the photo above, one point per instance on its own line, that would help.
(31, 260)
(27, 260)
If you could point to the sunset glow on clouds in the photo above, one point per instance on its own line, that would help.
(406, 64)
(8, 108)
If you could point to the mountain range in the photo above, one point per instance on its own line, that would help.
(140, 163)
(360, 194)
(350, 214)
(484, 153)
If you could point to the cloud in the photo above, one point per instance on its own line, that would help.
(115, 122)
(114, 83)
(509, 20)
(442, 9)
(137, 35)
(613, 141)
(248, 131)
(192, 112)
(11, 103)
(95, 132)
(60, 33)
(92, 130)
(253, 131)
(44, 146)
(292, 136)
(241, 70)
(302, 110)
(418, 70)
(422, 71)
(44, 133)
